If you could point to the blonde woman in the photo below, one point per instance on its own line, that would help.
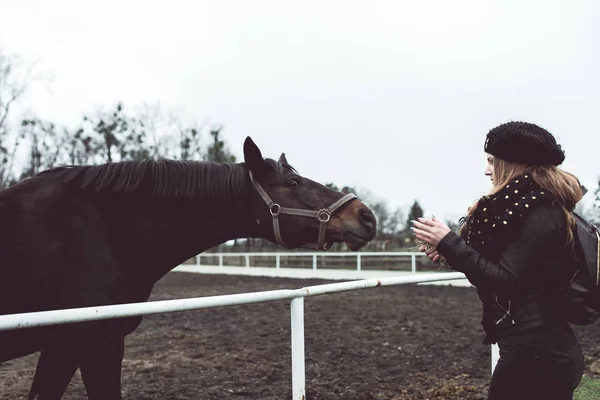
(515, 245)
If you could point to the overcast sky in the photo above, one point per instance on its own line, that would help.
(392, 96)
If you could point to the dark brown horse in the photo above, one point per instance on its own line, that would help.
(83, 236)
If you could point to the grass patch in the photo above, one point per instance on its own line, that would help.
(588, 389)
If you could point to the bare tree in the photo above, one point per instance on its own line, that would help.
(16, 75)
(217, 151)
(116, 136)
(595, 211)
(188, 138)
(158, 126)
(169, 134)
(46, 145)
(14, 80)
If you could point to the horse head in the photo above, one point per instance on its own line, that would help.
(295, 211)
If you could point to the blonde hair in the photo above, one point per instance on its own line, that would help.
(563, 185)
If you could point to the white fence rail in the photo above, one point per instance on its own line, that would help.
(57, 317)
(358, 256)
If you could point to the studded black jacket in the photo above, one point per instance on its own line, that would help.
(513, 249)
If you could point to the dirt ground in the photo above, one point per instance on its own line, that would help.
(392, 343)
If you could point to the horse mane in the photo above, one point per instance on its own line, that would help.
(207, 180)
(164, 178)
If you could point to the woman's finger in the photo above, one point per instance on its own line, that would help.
(419, 225)
(422, 238)
(422, 225)
(422, 233)
(427, 222)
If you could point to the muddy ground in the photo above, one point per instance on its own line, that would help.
(392, 343)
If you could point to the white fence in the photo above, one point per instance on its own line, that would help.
(357, 256)
(57, 317)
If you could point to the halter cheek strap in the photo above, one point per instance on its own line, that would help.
(323, 215)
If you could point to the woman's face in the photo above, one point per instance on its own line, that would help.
(489, 169)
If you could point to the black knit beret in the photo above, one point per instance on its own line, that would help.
(524, 143)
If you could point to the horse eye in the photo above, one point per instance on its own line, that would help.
(293, 182)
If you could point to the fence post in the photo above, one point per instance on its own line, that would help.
(298, 373)
(358, 262)
(198, 260)
(247, 261)
(495, 355)
(220, 260)
(413, 262)
(314, 262)
(277, 261)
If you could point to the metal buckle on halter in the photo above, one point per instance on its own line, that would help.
(273, 207)
(323, 215)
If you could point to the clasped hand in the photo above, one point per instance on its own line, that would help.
(430, 231)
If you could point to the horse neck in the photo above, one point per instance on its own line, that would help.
(163, 233)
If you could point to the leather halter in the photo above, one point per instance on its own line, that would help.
(323, 215)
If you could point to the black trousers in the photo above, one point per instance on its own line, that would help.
(545, 363)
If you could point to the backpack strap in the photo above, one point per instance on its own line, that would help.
(598, 259)
(589, 246)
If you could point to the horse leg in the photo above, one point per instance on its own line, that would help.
(15, 344)
(100, 367)
(55, 369)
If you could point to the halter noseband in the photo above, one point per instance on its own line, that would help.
(323, 215)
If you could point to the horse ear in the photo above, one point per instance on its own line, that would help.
(283, 160)
(253, 157)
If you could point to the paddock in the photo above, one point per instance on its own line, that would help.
(398, 342)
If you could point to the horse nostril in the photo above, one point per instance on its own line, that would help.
(366, 218)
